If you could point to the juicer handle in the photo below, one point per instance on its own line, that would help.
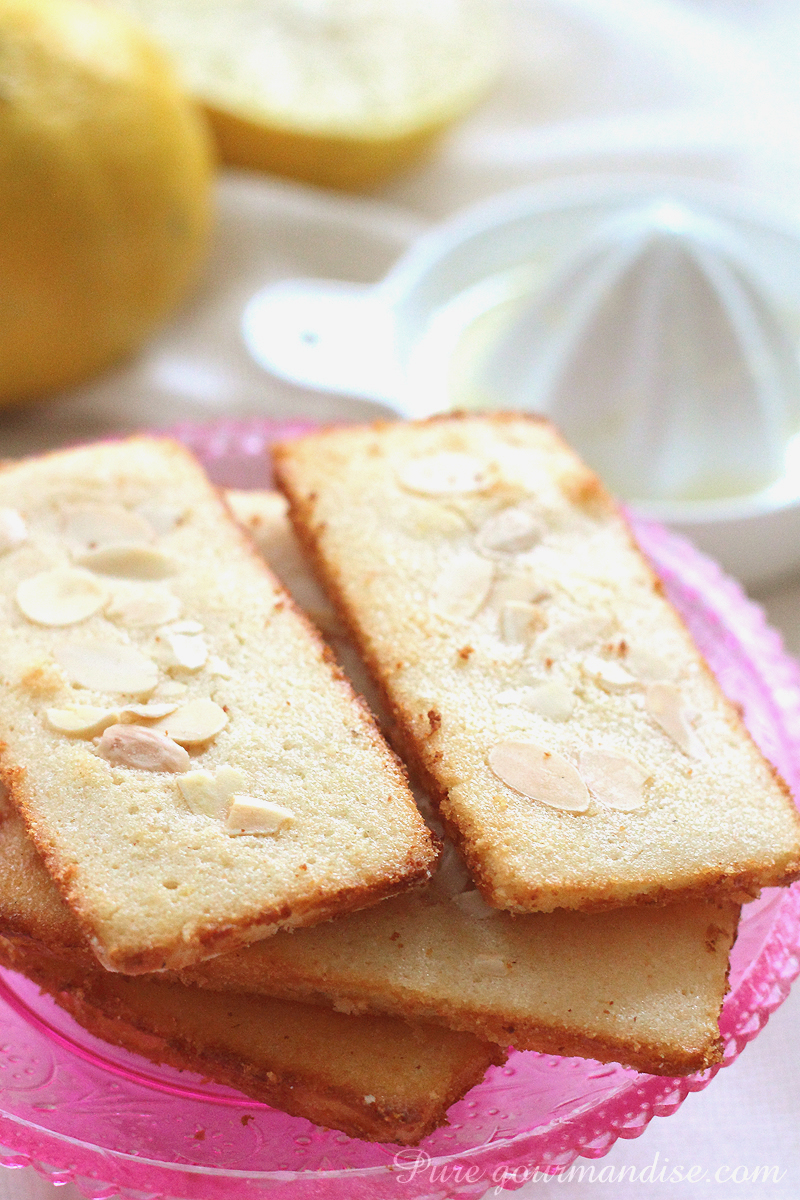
(326, 334)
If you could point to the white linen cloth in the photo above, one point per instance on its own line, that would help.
(708, 90)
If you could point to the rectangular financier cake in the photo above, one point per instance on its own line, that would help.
(641, 986)
(188, 760)
(376, 1078)
(544, 690)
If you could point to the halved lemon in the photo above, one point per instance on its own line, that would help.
(335, 92)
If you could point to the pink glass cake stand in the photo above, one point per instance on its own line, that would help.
(79, 1110)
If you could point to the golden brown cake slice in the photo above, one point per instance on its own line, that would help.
(191, 765)
(549, 697)
(639, 986)
(372, 1077)
(643, 987)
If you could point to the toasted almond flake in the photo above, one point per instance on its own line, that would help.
(648, 667)
(185, 627)
(551, 699)
(247, 814)
(152, 711)
(462, 587)
(128, 561)
(182, 651)
(520, 622)
(13, 530)
(108, 667)
(217, 666)
(93, 526)
(170, 688)
(138, 607)
(573, 635)
(488, 964)
(80, 720)
(473, 905)
(209, 794)
(610, 676)
(512, 531)
(540, 775)
(132, 746)
(63, 596)
(162, 517)
(195, 722)
(518, 585)
(436, 520)
(664, 703)
(614, 779)
(443, 474)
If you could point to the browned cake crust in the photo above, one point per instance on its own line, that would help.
(371, 1077)
(642, 987)
(715, 820)
(153, 881)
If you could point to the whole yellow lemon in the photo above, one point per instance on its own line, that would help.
(105, 191)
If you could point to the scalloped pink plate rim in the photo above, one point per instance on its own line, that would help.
(716, 609)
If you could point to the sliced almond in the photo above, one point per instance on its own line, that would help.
(141, 607)
(93, 526)
(518, 585)
(185, 627)
(108, 667)
(664, 703)
(194, 723)
(170, 688)
(209, 794)
(63, 596)
(615, 779)
(152, 711)
(217, 666)
(144, 749)
(512, 531)
(250, 815)
(162, 517)
(577, 634)
(80, 720)
(648, 667)
(182, 651)
(473, 905)
(520, 621)
(609, 676)
(435, 520)
(539, 774)
(462, 587)
(128, 561)
(13, 530)
(444, 474)
(552, 699)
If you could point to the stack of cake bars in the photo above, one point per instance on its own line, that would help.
(210, 855)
